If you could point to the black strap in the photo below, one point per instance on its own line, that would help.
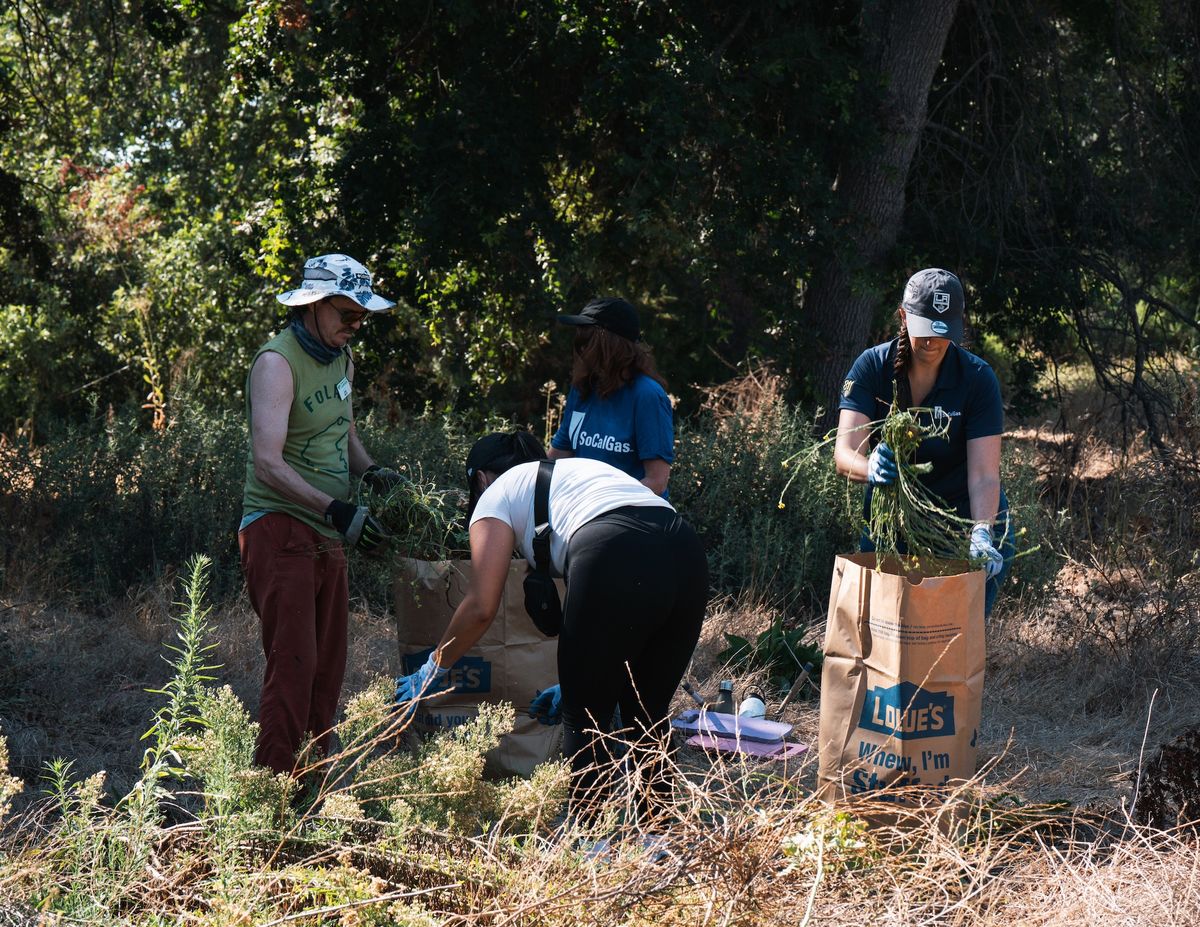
(541, 517)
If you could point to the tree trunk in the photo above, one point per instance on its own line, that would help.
(903, 46)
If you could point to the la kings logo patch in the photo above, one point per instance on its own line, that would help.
(941, 301)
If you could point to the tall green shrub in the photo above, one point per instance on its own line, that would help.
(120, 502)
(733, 462)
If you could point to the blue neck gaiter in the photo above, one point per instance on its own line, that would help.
(312, 347)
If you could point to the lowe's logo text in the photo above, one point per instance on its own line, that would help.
(908, 712)
(469, 674)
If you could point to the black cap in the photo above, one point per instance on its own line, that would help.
(611, 313)
(934, 302)
(491, 452)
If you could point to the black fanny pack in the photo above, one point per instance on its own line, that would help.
(541, 593)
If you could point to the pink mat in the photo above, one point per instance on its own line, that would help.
(779, 750)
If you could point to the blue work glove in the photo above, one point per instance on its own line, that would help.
(430, 678)
(983, 551)
(547, 705)
(881, 466)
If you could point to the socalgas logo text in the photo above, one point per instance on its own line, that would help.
(603, 442)
(469, 674)
(908, 712)
(594, 439)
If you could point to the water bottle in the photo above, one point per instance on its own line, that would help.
(724, 697)
(753, 706)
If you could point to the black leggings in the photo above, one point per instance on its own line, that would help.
(637, 587)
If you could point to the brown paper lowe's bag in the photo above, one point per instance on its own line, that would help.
(511, 662)
(902, 681)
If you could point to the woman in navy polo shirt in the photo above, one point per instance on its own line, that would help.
(617, 410)
(926, 366)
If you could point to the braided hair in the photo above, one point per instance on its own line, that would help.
(902, 388)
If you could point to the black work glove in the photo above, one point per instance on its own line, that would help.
(357, 525)
(381, 479)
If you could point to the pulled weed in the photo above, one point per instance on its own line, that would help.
(906, 519)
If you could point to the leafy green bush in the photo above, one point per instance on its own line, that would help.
(733, 462)
(122, 503)
(782, 653)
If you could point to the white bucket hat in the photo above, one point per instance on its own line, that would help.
(335, 275)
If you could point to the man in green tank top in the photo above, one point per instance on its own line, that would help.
(296, 508)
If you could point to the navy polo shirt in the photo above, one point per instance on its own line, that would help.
(966, 390)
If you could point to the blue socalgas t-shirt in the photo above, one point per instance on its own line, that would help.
(623, 429)
(966, 391)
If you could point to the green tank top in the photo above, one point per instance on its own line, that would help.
(317, 435)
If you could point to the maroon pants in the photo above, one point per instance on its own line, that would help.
(297, 584)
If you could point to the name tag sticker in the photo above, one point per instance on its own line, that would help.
(343, 388)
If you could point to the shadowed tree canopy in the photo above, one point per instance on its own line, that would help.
(759, 179)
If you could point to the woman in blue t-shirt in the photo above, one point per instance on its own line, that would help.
(617, 410)
(926, 366)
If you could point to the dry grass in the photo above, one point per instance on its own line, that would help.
(75, 683)
(747, 845)
(1091, 670)
(1040, 839)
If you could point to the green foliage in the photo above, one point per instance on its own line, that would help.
(97, 852)
(101, 852)
(167, 734)
(782, 653)
(220, 754)
(167, 165)
(441, 783)
(109, 503)
(907, 520)
(173, 167)
(119, 503)
(1070, 247)
(424, 521)
(832, 841)
(733, 462)
(1034, 515)
(98, 861)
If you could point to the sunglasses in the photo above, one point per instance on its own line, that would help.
(350, 316)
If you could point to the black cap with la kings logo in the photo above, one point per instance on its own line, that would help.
(934, 302)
